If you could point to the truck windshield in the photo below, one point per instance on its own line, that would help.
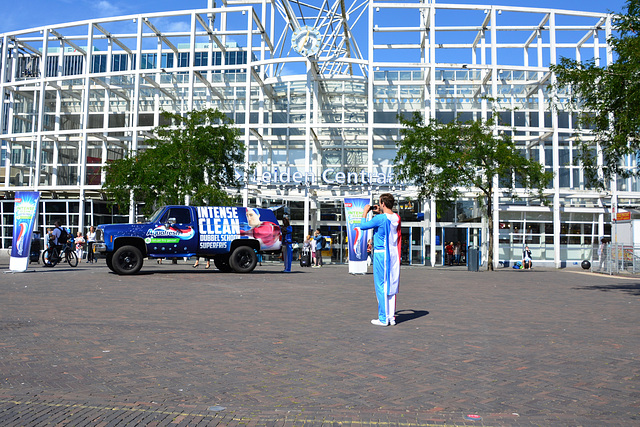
(156, 215)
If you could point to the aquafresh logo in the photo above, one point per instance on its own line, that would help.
(172, 231)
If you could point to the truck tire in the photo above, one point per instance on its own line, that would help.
(222, 263)
(109, 260)
(127, 260)
(243, 259)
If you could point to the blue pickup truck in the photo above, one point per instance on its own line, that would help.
(231, 236)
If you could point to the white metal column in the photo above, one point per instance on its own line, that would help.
(556, 147)
(496, 183)
(135, 107)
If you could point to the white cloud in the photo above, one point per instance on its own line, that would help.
(106, 8)
(180, 26)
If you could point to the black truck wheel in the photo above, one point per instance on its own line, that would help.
(222, 263)
(127, 260)
(243, 259)
(109, 260)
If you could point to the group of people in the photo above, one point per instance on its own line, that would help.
(59, 236)
(311, 247)
(89, 239)
(453, 253)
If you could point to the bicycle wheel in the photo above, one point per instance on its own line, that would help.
(72, 258)
(50, 257)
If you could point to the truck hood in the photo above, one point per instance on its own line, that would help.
(117, 230)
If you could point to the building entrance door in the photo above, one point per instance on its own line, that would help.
(451, 237)
(405, 245)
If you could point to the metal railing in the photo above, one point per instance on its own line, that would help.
(615, 258)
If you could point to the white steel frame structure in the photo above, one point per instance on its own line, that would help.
(78, 95)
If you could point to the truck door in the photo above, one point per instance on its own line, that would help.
(174, 235)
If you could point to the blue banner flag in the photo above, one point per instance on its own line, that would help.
(357, 239)
(24, 217)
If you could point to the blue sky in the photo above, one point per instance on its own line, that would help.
(35, 13)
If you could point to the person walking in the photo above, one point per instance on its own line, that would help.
(79, 242)
(48, 242)
(320, 241)
(305, 253)
(91, 240)
(197, 263)
(314, 263)
(47, 238)
(449, 254)
(387, 251)
(287, 241)
(602, 253)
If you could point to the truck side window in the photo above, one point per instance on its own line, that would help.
(182, 215)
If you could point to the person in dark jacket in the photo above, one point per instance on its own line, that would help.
(287, 249)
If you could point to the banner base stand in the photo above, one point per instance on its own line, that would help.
(18, 271)
(358, 267)
(18, 265)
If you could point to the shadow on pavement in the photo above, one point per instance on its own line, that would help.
(633, 289)
(407, 315)
(199, 271)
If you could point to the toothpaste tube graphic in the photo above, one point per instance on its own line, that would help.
(357, 247)
(21, 235)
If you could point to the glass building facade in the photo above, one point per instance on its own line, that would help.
(318, 128)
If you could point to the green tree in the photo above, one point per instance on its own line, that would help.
(443, 159)
(197, 155)
(610, 97)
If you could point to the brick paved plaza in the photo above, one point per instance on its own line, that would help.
(181, 346)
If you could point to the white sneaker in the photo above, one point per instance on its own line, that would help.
(377, 322)
(392, 322)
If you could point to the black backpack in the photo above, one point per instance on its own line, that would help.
(64, 236)
(323, 243)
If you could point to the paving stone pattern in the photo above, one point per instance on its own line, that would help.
(181, 346)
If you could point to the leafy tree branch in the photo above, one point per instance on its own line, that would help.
(197, 155)
(443, 159)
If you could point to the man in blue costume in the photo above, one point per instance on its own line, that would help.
(386, 256)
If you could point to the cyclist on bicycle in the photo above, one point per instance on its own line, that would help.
(59, 238)
(55, 233)
(60, 248)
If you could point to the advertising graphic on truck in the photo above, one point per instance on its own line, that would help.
(232, 236)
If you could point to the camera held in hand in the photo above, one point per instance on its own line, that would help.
(375, 209)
